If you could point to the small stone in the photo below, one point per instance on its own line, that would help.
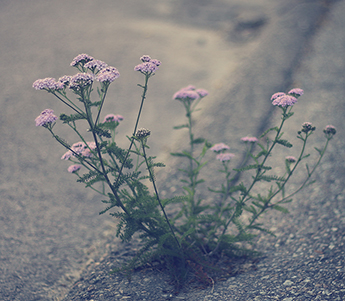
(288, 283)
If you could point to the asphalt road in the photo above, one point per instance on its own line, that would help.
(241, 51)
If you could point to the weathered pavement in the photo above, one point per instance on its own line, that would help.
(242, 52)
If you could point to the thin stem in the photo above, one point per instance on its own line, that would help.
(76, 108)
(143, 96)
(157, 195)
(309, 174)
(102, 101)
(267, 205)
(242, 200)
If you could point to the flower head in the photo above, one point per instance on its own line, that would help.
(87, 150)
(65, 80)
(219, 147)
(108, 74)
(95, 64)
(74, 168)
(330, 131)
(202, 92)
(290, 159)
(249, 139)
(81, 59)
(145, 58)
(296, 92)
(148, 65)
(276, 95)
(67, 155)
(80, 81)
(45, 118)
(307, 127)
(112, 117)
(190, 93)
(225, 157)
(49, 84)
(142, 133)
(78, 147)
(284, 100)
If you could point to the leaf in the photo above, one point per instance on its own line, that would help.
(269, 130)
(318, 150)
(66, 119)
(305, 156)
(183, 154)
(250, 209)
(180, 126)
(257, 227)
(280, 208)
(284, 142)
(271, 178)
(286, 201)
(100, 132)
(198, 141)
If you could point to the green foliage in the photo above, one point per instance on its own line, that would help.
(197, 230)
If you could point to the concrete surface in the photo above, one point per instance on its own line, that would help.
(241, 51)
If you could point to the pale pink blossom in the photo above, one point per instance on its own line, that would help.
(225, 157)
(296, 91)
(74, 168)
(46, 117)
(291, 159)
(112, 117)
(249, 139)
(219, 147)
(81, 59)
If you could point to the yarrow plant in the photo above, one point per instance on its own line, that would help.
(188, 238)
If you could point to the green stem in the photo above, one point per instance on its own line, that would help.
(102, 101)
(258, 172)
(143, 96)
(309, 175)
(157, 195)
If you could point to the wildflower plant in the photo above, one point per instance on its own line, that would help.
(189, 238)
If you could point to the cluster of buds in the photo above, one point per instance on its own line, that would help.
(307, 127)
(142, 133)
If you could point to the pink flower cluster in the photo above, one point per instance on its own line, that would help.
(190, 93)
(49, 84)
(73, 168)
(81, 80)
(285, 100)
(108, 74)
(219, 147)
(221, 156)
(225, 157)
(112, 117)
(46, 117)
(81, 59)
(330, 130)
(148, 65)
(95, 64)
(249, 139)
(105, 74)
(290, 159)
(80, 148)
